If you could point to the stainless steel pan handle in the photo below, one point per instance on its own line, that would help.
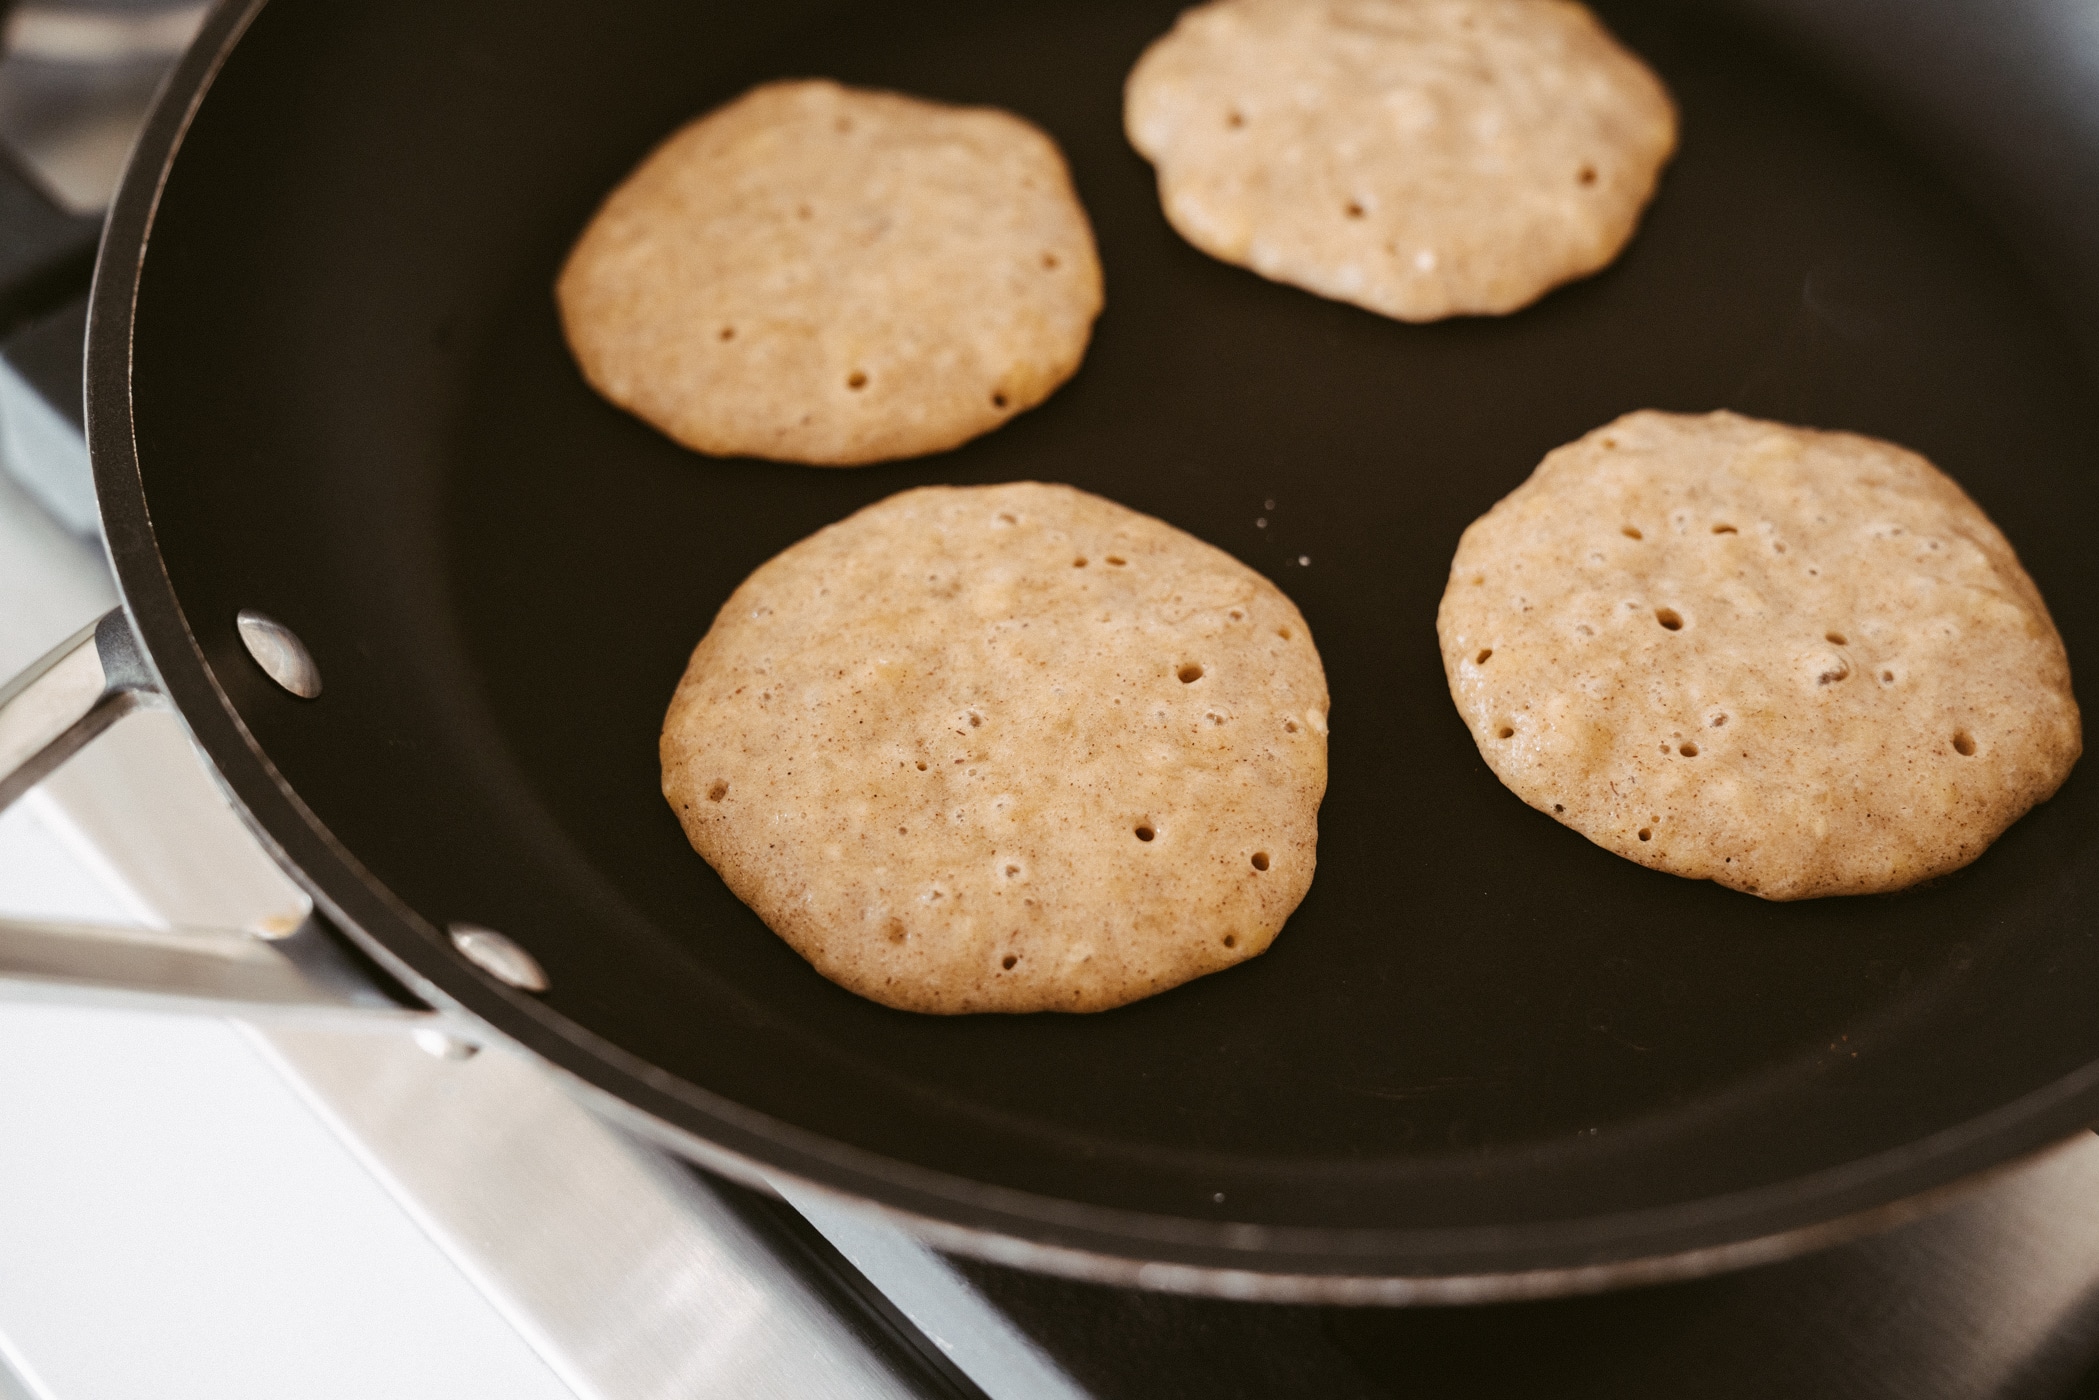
(51, 711)
(48, 714)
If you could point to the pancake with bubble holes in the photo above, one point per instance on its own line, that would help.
(1794, 662)
(822, 274)
(1420, 158)
(1005, 748)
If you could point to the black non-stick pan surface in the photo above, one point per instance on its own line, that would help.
(1483, 1049)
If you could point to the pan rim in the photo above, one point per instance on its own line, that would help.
(1476, 1263)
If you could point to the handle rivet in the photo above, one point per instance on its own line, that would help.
(280, 653)
(499, 957)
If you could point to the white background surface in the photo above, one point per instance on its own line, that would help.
(175, 1223)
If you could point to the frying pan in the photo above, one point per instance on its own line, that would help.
(1484, 1058)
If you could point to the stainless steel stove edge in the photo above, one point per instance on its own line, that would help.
(625, 1272)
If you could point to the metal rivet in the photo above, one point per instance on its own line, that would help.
(280, 653)
(445, 1046)
(499, 957)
